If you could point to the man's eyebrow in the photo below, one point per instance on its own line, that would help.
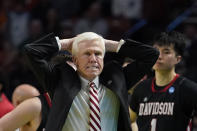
(167, 50)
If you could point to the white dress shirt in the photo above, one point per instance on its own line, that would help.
(78, 116)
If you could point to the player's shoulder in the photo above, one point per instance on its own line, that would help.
(187, 82)
(143, 85)
(146, 82)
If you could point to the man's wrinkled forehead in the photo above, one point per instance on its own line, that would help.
(92, 42)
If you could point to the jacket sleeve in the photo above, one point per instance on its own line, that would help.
(144, 57)
(38, 55)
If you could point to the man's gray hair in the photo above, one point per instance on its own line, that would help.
(86, 36)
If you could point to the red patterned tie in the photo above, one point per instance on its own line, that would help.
(95, 121)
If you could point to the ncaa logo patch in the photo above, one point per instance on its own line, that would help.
(171, 90)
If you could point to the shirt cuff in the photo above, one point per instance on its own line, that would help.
(121, 42)
(58, 42)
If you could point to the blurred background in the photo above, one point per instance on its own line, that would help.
(23, 21)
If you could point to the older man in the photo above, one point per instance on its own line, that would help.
(94, 97)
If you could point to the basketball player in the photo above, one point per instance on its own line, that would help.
(31, 112)
(165, 102)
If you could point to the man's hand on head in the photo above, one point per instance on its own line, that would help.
(66, 44)
(113, 46)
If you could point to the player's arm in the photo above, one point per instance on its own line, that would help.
(21, 115)
(133, 117)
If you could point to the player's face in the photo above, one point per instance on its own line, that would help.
(89, 59)
(167, 58)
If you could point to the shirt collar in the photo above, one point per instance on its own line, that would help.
(84, 82)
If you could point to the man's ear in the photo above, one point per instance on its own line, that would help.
(179, 58)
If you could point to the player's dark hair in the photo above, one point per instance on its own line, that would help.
(176, 39)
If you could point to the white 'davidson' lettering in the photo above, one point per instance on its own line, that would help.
(156, 108)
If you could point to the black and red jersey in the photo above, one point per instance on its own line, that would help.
(166, 108)
(46, 104)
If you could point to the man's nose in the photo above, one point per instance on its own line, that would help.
(160, 56)
(92, 58)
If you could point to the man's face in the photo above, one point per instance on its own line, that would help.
(167, 58)
(89, 59)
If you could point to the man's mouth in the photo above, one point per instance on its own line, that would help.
(93, 67)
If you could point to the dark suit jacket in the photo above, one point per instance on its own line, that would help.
(63, 83)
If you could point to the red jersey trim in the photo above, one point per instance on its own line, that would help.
(48, 99)
(167, 87)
